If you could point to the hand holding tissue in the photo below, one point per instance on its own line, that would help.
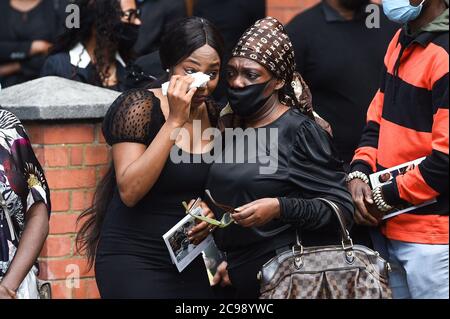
(200, 80)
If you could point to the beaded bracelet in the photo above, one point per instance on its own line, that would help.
(357, 175)
(379, 200)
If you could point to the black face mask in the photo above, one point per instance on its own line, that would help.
(249, 100)
(127, 34)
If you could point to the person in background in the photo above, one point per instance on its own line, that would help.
(232, 18)
(99, 51)
(157, 15)
(28, 28)
(340, 59)
(26, 195)
(407, 120)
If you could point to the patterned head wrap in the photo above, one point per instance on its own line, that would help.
(267, 43)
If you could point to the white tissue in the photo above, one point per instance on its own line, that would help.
(200, 80)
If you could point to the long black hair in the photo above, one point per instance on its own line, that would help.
(186, 36)
(180, 42)
(99, 18)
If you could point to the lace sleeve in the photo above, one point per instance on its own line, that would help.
(135, 117)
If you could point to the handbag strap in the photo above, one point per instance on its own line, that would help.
(347, 242)
(7, 216)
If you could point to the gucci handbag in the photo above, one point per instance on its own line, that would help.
(344, 271)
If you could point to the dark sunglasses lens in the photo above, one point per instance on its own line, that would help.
(227, 219)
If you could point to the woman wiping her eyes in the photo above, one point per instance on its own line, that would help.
(123, 233)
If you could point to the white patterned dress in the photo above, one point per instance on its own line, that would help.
(22, 184)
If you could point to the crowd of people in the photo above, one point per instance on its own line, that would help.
(346, 101)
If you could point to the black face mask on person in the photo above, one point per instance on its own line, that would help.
(353, 4)
(127, 33)
(247, 101)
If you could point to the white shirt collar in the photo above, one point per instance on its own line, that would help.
(80, 57)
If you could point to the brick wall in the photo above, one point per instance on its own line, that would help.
(285, 10)
(74, 157)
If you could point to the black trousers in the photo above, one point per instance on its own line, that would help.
(244, 277)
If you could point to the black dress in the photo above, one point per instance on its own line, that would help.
(304, 166)
(132, 260)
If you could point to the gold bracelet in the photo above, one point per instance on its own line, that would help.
(10, 292)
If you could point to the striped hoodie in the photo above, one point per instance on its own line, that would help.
(408, 119)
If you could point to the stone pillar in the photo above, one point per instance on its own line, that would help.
(63, 120)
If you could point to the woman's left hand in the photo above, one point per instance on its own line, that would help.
(199, 232)
(257, 213)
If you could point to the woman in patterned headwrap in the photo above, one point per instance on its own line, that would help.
(268, 44)
(275, 192)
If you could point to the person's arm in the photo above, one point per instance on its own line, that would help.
(138, 167)
(38, 208)
(10, 68)
(315, 169)
(20, 50)
(14, 50)
(429, 179)
(31, 243)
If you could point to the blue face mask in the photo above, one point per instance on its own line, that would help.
(401, 11)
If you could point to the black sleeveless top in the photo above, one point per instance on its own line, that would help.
(136, 116)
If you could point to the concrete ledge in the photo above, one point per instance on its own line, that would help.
(54, 98)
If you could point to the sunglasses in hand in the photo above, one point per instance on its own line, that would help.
(226, 220)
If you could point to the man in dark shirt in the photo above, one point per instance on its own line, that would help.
(232, 17)
(341, 58)
(156, 16)
(27, 31)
